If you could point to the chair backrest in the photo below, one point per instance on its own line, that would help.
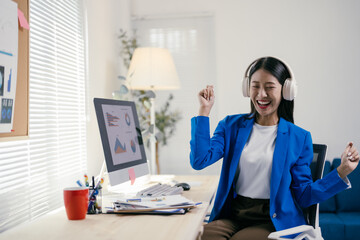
(317, 168)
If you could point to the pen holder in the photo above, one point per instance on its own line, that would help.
(95, 201)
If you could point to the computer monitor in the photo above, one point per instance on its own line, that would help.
(121, 139)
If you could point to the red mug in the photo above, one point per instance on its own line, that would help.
(76, 202)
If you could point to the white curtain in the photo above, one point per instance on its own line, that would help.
(33, 172)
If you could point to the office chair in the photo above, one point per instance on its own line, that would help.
(311, 231)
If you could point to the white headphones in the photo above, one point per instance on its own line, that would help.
(289, 90)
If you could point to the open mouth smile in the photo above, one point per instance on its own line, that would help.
(263, 104)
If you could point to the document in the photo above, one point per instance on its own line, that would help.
(8, 62)
(153, 204)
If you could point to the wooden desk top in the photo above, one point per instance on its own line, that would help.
(121, 226)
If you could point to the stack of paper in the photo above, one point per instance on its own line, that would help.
(165, 204)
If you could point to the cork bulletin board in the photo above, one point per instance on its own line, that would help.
(21, 111)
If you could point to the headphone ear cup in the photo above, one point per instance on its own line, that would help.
(245, 87)
(289, 89)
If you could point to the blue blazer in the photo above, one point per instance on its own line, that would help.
(291, 186)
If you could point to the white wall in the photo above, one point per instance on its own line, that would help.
(104, 19)
(318, 39)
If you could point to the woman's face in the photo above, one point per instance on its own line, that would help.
(265, 94)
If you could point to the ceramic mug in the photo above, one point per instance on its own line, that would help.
(76, 202)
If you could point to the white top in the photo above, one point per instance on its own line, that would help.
(254, 169)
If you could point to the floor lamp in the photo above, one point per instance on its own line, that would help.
(152, 69)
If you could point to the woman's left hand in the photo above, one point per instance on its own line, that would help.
(349, 160)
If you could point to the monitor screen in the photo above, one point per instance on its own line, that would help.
(121, 139)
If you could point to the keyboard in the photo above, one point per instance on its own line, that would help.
(159, 190)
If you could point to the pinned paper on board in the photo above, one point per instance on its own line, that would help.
(132, 176)
(8, 63)
(6, 110)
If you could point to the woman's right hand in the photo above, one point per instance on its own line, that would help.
(206, 98)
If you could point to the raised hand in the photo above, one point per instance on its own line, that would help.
(206, 98)
(349, 160)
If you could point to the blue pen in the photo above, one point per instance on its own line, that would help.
(79, 183)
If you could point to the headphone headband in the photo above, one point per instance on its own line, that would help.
(283, 62)
(289, 87)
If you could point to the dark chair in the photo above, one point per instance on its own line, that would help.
(311, 231)
(317, 169)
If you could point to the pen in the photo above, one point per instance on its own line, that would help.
(101, 182)
(86, 180)
(79, 183)
(91, 203)
(94, 189)
(134, 200)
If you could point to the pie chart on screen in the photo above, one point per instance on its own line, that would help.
(127, 119)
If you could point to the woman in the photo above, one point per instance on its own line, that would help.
(265, 178)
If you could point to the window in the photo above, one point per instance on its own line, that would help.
(33, 172)
(191, 41)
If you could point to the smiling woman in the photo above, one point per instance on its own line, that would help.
(266, 178)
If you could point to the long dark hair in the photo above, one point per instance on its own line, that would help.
(279, 70)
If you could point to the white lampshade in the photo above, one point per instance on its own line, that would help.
(152, 68)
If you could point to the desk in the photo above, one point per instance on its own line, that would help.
(124, 227)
